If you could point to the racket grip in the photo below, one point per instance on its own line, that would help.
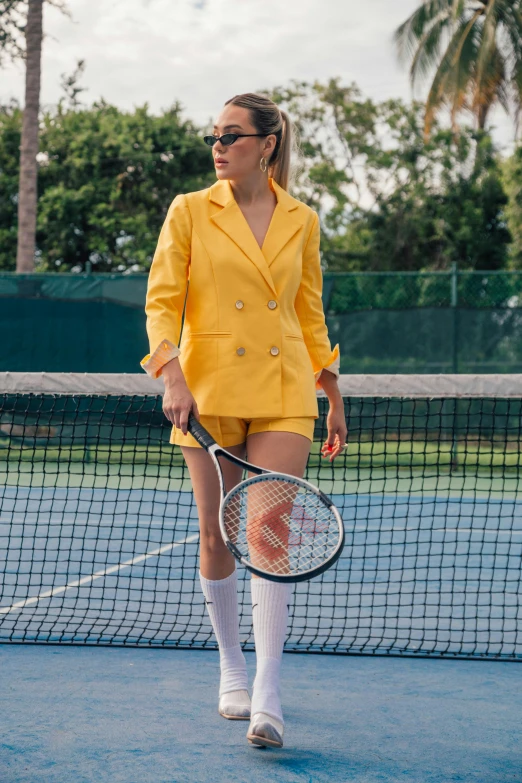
(198, 432)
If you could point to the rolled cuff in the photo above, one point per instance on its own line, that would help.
(153, 364)
(333, 367)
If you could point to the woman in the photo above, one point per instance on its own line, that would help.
(254, 345)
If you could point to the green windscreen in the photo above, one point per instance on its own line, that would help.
(385, 322)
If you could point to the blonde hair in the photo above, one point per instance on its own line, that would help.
(267, 118)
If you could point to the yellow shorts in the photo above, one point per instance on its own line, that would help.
(231, 431)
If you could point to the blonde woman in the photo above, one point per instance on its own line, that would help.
(253, 350)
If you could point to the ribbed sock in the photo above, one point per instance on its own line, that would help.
(221, 600)
(270, 602)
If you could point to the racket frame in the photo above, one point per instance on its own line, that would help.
(205, 439)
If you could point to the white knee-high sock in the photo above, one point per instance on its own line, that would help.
(270, 603)
(221, 600)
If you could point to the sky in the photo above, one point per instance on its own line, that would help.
(202, 52)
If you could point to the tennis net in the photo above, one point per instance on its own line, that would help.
(99, 533)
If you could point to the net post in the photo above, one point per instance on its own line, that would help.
(454, 307)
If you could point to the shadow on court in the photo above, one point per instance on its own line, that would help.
(86, 715)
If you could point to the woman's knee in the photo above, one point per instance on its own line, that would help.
(211, 541)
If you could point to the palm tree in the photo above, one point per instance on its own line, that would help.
(23, 19)
(475, 49)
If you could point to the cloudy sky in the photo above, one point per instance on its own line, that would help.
(202, 52)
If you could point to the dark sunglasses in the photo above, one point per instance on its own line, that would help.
(228, 138)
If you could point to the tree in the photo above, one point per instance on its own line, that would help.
(23, 19)
(387, 198)
(106, 179)
(475, 49)
(10, 131)
(512, 178)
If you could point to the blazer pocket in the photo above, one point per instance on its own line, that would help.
(295, 337)
(211, 334)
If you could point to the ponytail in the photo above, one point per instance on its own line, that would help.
(267, 118)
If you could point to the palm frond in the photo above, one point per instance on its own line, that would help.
(492, 88)
(410, 32)
(474, 50)
(429, 48)
(458, 7)
(446, 77)
(488, 41)
(510, 23)
(516, 89)
(504, 96)
(462, 75)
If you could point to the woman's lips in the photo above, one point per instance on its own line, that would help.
(221, 162)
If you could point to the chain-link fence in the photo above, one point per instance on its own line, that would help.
(456, 321)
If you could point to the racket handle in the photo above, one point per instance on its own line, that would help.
(198, 432)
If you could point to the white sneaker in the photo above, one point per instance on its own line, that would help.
(235, 705)
(265, 731)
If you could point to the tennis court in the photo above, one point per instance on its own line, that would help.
(133, 715)
(99, 541)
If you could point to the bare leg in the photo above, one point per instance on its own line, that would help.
(267, 533)
(218, 578)
(287, 452)
(216, 562)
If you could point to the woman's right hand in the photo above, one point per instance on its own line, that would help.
(178, 401)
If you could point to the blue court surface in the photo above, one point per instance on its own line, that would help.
(107, 715)
(434, 571)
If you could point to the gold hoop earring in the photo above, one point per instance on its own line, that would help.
(263, 160)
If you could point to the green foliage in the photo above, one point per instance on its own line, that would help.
(512, 180)
(105, 182)
(388, 199)
(10, 127)
(447, 211)
(476, 290)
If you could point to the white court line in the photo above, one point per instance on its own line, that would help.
(97, 575)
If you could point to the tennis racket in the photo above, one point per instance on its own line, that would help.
(278, 526)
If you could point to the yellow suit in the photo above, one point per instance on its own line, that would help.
(254, 333)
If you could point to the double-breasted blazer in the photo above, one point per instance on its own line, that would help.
(254, 333)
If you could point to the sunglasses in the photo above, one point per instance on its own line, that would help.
(228, 138)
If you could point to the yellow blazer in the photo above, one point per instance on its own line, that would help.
(254, 333)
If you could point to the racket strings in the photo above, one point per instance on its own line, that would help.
(279, 526)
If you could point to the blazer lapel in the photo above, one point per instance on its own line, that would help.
(284, 224)
(231, 220)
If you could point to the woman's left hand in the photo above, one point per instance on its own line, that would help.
(337, 431)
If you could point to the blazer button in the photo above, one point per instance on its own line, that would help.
(240, 351)
(240, 304)
(274, 350)
(272, 304)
